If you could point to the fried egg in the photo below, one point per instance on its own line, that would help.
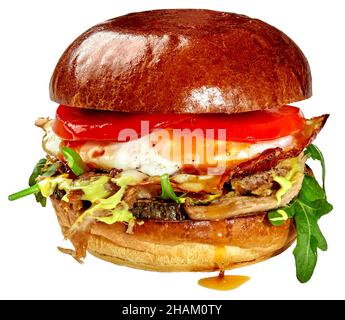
(154, 156)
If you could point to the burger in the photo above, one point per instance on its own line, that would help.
(174, 147)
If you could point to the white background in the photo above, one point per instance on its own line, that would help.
(33, 36)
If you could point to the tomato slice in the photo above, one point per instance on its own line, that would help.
(78, 124)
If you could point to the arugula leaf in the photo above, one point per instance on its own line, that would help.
(39, 170)
(307, 209)
(323, 207)
(315, 153)
(32, 180)
(305, 251)
(40, 199)
(310, 205)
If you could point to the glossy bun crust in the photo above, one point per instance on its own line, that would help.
(181, 61)
(185, 246)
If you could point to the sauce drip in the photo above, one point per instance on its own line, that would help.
(219, 257)
(222, 282)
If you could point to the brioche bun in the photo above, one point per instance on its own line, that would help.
(186, 245)
(181, 61)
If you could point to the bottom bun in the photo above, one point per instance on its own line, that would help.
(185, 245)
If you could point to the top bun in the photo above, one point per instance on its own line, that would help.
(181, 61)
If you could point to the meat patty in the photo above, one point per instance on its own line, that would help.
(158, 210)
(260, 183)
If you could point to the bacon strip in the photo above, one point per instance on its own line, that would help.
(269, 158)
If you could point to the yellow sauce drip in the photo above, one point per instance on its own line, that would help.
(219, 256)
(222, 282)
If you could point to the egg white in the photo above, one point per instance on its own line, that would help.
(148, 156)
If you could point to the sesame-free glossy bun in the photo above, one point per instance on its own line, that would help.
(185, 245)
(181, 61)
